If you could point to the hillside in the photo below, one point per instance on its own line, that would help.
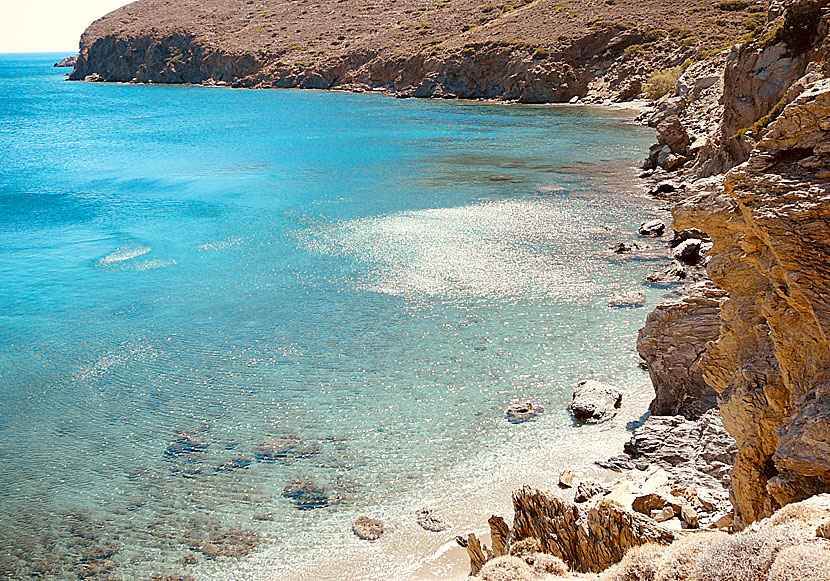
(525, 50)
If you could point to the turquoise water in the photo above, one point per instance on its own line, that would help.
(368, 281)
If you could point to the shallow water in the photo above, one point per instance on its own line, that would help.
(372, 280)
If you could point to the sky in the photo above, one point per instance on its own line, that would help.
(48, 25)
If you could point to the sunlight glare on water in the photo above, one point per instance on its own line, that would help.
(232, 321)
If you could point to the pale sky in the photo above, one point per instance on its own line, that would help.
(48, 25)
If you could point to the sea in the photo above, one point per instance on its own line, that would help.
(233, 321)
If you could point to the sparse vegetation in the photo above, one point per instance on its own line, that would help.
(659, 83)
(730, 5)
(762, 123)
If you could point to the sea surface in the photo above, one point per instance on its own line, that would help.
(363, 284)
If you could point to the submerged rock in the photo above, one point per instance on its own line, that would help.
(522, 412)
(429, 521)
(227, 544)
(627, 299)
(185, 444)
(305, 494)
(288, 447)
(368, 529)
(594, 401)
(231, 464)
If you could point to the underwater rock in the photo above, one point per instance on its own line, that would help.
(594, 402)
(235, 463)
(227, 544)
(368, 529)
(627, 299)
(305, 494)
(522, 412)
(429, 521)
(185, 444)
(279, 448)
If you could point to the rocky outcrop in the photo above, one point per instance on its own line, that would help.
(586, 540)
(672, 341)
(694, 453)
(767, 218)
(771, 363)
(66, 62)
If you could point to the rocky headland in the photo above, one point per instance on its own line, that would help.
(531, 51)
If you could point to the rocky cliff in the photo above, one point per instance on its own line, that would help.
(768, 217)
(522, 50)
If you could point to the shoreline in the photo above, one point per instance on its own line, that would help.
(635, 105)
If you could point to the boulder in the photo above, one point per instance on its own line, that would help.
(689, 516)
(674, 273)
(688, 251)
(682, 235)
(586, 490)
(627, 300)
(566, 479)
(594, 401)
(368, 529)
(429, 521)
(647, 503)
(518, 413)
(652, 228)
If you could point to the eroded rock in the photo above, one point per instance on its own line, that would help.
(368, 529)
(594, 401)
(428, 520)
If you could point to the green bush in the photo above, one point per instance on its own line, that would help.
(729, 5)
(659, 83)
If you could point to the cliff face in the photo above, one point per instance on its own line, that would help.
(524, 50)
(770, 225)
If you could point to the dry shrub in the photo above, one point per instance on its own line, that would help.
(745, 556)
(639, 564)
(807, 562)
(546, 564)
(528, 545)
(680, 558)
(507, 569)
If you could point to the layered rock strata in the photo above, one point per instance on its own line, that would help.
(771, 360)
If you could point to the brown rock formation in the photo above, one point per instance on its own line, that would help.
(524, 50)
(672, 341)
(771, 363)
(585, 541)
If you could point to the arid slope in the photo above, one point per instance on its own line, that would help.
(526, 50)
